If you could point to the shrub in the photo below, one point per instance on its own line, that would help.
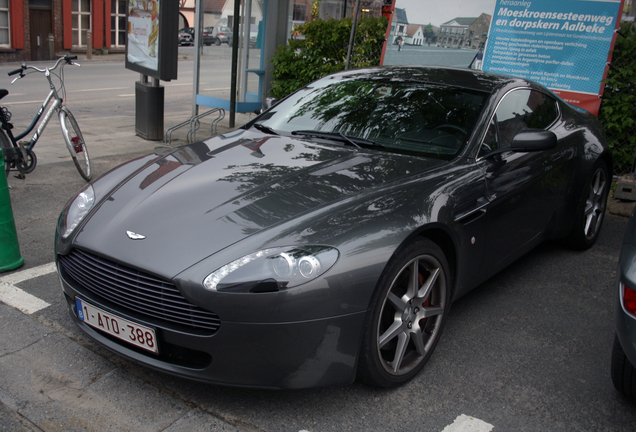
(618, 109)
(324, 51)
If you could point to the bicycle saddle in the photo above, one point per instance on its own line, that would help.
(3, 93)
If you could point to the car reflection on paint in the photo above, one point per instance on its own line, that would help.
(325, 240)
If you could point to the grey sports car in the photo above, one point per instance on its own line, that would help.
(327, 238)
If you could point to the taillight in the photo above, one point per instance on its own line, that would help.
(629, 299)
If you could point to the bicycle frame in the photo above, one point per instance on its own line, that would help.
(57, 103)
(22, 156)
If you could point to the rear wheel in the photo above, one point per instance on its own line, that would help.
(5, 144)
(407, 315)
(75, 140)
(591, 212)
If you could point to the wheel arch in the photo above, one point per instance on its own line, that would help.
(442, 237)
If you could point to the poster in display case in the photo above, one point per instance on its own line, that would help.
(152, 43)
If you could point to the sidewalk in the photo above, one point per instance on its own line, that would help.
(115, 135)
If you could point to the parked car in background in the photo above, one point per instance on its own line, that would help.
(207, 37)
(222, 34)
(623, 367)
(325, 240)
(253, 34)
(186, 36)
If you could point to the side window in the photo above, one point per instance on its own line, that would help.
(523, 109)
(490, 140)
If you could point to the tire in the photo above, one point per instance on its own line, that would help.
(217, 42)
(623, 372)
(28, 161)
(404, 324)
(591, 211)
(73, 137)
(5, 143)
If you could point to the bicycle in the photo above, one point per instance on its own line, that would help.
(19, 155)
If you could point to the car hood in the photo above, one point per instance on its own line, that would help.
(202, 198)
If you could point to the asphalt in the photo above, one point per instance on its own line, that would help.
(52, 377)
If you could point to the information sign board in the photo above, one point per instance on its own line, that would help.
(564, 45)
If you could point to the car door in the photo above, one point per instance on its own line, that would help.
(524, 188)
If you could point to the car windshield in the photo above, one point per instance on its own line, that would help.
(403, 117)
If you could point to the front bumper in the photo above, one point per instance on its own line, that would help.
(286, 355)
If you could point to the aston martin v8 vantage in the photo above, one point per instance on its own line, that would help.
(326, 239)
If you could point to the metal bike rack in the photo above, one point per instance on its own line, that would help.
(194, 125)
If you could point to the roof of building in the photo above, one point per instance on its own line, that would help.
(214, 5)
(460, 21)
(465, 21)
(400, 15)
(412, 29)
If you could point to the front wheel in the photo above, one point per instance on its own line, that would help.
(591, 211)
(406, 316)
(75, 143)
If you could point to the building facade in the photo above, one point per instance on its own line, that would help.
(464, 32)
(32, 30)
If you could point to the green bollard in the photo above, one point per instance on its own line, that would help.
(10, 257)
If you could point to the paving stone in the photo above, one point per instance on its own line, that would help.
(59, 385)
(17, 330)
(198, 420)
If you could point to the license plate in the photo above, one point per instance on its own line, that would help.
(133, 333)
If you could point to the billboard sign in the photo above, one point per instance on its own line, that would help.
(152, 41)
(564, 45)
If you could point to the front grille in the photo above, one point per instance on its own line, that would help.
(136, 292)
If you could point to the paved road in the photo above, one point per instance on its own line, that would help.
(528, 350)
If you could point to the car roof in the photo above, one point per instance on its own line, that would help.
(466, 78)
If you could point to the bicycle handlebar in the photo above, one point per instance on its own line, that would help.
(17, 71)
(67, 58)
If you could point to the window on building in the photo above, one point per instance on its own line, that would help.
(5, 39)
(118, 23)
(81, 16)
(300, 12)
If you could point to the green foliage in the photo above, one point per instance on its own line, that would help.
(324, 51)
(618, 110)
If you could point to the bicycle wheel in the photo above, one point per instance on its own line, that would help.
(75, 140)
(5, 144)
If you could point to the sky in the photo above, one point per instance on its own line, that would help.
(437, 12)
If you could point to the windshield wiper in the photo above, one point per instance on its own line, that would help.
(261, 127)
(354, 141)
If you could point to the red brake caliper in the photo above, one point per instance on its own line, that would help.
(76, 145)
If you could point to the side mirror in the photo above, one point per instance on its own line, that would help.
(533, 140)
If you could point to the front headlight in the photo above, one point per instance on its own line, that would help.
(76, 211)
(272, 269)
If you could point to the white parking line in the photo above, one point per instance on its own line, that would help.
(19, 299)
(464, 423)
